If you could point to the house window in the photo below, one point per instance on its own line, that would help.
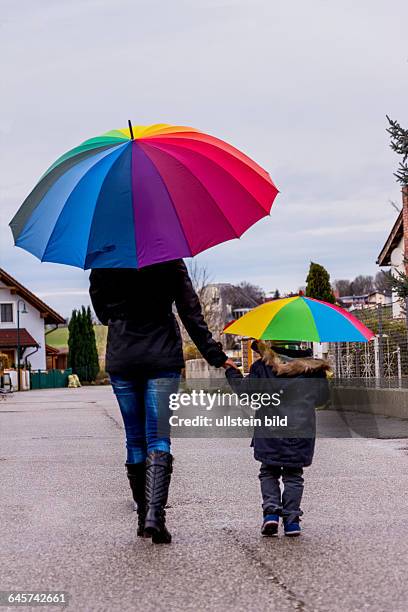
(6, 313)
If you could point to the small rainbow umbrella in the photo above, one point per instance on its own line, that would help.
(300, 318)
(142, 195)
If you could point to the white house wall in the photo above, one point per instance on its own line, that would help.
(397, 265)
(31, 321)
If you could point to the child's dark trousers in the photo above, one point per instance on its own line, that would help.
(285, 503)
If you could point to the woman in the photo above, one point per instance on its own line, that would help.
(144, 358)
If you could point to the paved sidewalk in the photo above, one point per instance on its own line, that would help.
(67, 521)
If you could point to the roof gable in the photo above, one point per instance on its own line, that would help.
(49, 315)
(397, 232)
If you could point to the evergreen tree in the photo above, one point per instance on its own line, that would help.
(83, 353)
(398, 282)
(318, 284)
(82, 349)
(276, 295)
(93, 349)
(72, 340)
(399, 144)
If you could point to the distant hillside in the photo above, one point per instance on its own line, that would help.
(59, 339)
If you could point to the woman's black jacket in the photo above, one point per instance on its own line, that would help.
(143, 331)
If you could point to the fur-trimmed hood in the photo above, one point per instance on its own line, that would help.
(291, 367)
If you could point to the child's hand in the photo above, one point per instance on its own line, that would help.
(230, 364)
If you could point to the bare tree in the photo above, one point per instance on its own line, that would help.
(383, 282)
(362, 285)
(343, 287)
(201, 279)
(254, 294)
(245, 295)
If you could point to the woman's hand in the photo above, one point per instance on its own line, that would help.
(230, 364)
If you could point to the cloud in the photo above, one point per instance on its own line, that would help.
(301, 87)
(343, 230)
(63, 293)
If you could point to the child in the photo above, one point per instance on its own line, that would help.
(284, 458)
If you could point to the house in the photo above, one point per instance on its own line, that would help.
(223, 302)
(23, 317)
(57, 358)
(368, 300)
(216, 304)
(395, 250)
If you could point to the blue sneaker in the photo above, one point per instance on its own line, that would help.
(292, 529)
(270, 525)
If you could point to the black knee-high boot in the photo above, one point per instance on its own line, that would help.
(158, 475)
(136, 472)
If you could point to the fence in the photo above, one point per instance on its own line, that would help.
(49, 379)
(382, 362)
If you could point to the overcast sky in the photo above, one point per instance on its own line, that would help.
(302, 87)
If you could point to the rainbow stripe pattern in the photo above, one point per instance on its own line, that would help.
(142, 195)
(300, 318)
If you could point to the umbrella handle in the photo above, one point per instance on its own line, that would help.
(131, 129)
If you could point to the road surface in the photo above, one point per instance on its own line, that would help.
(67, 521)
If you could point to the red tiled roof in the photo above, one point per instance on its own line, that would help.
(51, 350)
(8, 338)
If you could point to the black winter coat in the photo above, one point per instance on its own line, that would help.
(138, 307)
(301, 399)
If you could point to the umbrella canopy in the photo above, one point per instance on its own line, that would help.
(142, 195)
(300, 318)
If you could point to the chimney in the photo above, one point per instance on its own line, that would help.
(405, 224)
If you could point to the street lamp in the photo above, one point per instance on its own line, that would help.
(24, 311)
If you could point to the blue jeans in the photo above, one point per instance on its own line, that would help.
(144, 403)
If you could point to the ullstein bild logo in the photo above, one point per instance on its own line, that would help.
(228, 421)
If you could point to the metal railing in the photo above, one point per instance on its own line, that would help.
(382, 362)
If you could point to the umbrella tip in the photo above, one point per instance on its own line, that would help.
(131, 129)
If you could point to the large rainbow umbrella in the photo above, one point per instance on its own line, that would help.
(300, 318)
(142, 195)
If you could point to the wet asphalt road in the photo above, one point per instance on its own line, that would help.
(67, 521)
